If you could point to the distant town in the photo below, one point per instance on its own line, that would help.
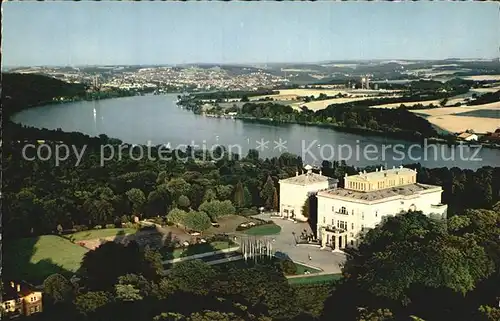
(208, 77)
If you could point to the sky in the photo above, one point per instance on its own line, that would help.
(140, 33)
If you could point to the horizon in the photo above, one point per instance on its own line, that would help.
(251, 63)
(79, 34)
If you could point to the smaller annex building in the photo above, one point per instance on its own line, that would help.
(294, 192)
(20, 299)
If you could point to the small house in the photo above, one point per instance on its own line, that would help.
(21, 299)
(468, 137)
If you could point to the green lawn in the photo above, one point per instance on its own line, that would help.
(325, 278)
(265, 229)
(198, 249)
(302, 268)
(97, 234)
(33, 259)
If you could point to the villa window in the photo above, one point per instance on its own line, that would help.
(352, 226)
(324, 220)
(37, 308)
(352, 242)
(352, 212)
(333, 208)
(363, 216)
(376, 213)
(343, 210)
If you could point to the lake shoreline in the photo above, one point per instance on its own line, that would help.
(353, 130)
(157, 119)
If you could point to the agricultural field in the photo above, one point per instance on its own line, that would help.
(483, 77)
(291, 97)
(486, 90)
(34, 259)
(479, 118)
(411, 103)
(322, 104)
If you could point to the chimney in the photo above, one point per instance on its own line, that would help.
(12, 284)
(320, 172)
(18, 287)
(296, 173)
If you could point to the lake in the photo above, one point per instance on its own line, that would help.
(158, 120)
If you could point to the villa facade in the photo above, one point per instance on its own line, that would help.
(344, 214)
(294, 191)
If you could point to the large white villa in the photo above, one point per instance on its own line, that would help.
(295, 190)
(345, 213)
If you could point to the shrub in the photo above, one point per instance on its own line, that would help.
(288, 267)
(110, 226)
(79, 228)
(198, 221)
(158, 220)
(216, 209)
(219, 238)
(129, 225)
(249, 212)
(97, 227)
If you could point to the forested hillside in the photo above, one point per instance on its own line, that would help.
(24, 90)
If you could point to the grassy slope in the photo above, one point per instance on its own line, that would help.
(324, 278)
(96, 234)
(34, 259)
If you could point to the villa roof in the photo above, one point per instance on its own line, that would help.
(378, 175)
(405, 190)
(308, 178)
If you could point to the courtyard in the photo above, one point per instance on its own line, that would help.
(284, 242)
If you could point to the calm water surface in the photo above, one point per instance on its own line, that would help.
(157, 119)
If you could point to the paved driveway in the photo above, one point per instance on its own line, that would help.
(285, 242)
